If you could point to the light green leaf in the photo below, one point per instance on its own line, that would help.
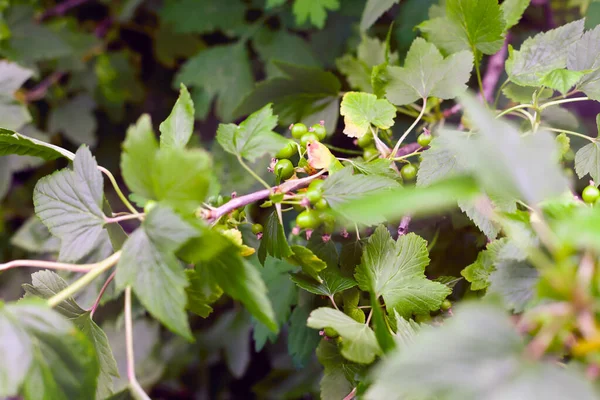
(373, 10)
(314, 11)
(228, 82)
(242, 281)
(478, 273)
(274, 241)
(513, 11)
(524, 94)
(356, 72)
(426, 73)
(282, 294)
(14, 143)
(69, 203)
(45, 284)
(332, 282)
(437, 163)
(201, 292)
(515, 282)
(359, 343)
(396, 271)
(204, 16)
(177, 129)
(362, 110)
(542, 54)
(391, 204)
(310, 263)
(75, 119)
(44, 355)
(156, 276)
(254, 137)
(445, 34)
(406, 331)
(561, 80)
(587, 161)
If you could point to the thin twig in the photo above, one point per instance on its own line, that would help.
(127, 217)
(46, 264)
(410, 128)
(61, 8)
(351, 395)
(104, 287)
(495, 67)
(288, 186)
(136, 389)
(41, 89)
(115, 185)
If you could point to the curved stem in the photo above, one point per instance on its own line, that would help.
(406, 156)
(581, 135)
(410, 128)
(479, 81)
(506, 82)
(101, 293)
(509, 110)
(47, 264)
(556, 102)
(96, 270)
(113, 181)
(254, 174)
(136, 389)
(113, 220)
(345, 151)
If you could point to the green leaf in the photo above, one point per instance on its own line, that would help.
(177, 129)
(524, 94)
(373, 10)
(12, 114)
(69, 203)
(242, 281)
(542, 54)
(14, 143)
(584, 54)
(228, 82)
(34, 237)
(344, 187)
(274, 241)
(305, 258)
(362, 110)
(437, 163)
(254, 137)
(561, 80)
(170, 46)
(314, 11)
(481, 210)
(359, 343)
(468, 25)
(204, 16)
(44, 354)
(587, 161)
(392, 204)
(515, 282)
(396, 271)
(478, 273)
(302, 341)
(513, 11)
(382, 333)
(149, 266)
(332, 282)
(302, 94)
(75, 119)
(201, 292)
(406, 331)
(378, 167)
(282, 294)
(339, 377)
(45, 284)
(426, 73)
(507, 165)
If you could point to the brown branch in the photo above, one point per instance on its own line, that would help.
(494, 70)
(409, 148)
(216, 213)
(61, 8)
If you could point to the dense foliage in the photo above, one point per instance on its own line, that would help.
(298, 199)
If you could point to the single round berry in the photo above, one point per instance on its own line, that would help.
(331, 333)
(313, 195)
(317, 184)
(328, 221)
(257, 228)
(308, 219)
(284, 169)
(287, 151)
(307, 138)
(321, 204)
(422, 318)
(365, 141)
(424, 139)
(320, 131)
(299, 130)
(446, 305)
(370, 153)
(590, 194)
(408, 172)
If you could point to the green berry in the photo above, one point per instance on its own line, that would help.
(330, 332)
(328, 221)
(307, 138)
(313, 195)
(321, 204)
(422, 318)
(308, 219)
(283, 169)
(424, 139)
(299, 130)
(370, 153)
(287, 151)
(446, 305)
(590, 194)
(365, 141)
(257, 228)
(408, 172)
(317, 184)
(320, 131)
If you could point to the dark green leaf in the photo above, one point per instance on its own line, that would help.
(273, 241)
(75, 119)
(302, 341)
(14, 143)
(373, 10)
(333, 282)
(339, 377)
(34, 237)
(310, 263)
(201, 292)
(204, 16)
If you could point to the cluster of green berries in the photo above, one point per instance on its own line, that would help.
(367, 143)
(314, 217)
(283, 168)
(590, 194)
